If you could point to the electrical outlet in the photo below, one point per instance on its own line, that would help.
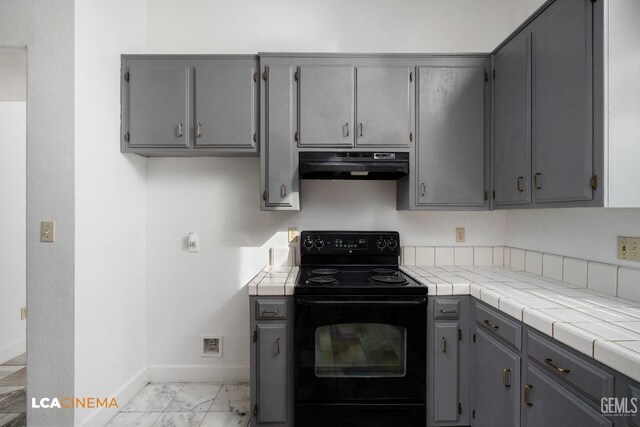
(629, 248)
(293, 235)
(459, 235)
(23, 313)
(47, 231)
(212, 346)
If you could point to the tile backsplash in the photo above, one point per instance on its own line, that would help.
(609, 279)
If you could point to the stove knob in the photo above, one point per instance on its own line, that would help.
(308, 243)
(319, 243)
(381, 243)
(392, 244)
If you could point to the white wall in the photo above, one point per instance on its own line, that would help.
(13, 263)
(589, 233)
(110, 349)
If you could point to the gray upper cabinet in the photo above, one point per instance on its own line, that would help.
(158, 106)
(512, 122)
(451, 149)
(190, 105)
(562, 102)
(326, 105)
(547, 403)
(278, 156)
(226, 99)
(384, 99)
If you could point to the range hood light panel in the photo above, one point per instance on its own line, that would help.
(358, 173)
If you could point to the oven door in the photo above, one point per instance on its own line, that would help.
(358, 350)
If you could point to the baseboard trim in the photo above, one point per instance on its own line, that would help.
(101, 416)
(12, 350)
(198, 373)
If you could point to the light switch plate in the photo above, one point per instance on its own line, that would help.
(47, 231)
(460, 235)
(629, 248)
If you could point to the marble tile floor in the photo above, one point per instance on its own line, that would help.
(13, 397)
(187, 405)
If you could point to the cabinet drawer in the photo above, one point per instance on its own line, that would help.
(582, 374)
(499, 325)
(275, 309)
(446, 309)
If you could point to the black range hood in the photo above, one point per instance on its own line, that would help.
(353, 165)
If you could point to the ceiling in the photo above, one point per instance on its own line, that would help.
(13, 75)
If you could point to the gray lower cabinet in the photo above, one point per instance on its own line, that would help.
(451, 161)
(548, 403)
(271, 361)
(512, 123)
(278, 158)
(447, 370)
(384, 99)
(190, 105)
(496, 381)
(326, 102)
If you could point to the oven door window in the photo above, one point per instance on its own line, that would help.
(360, 350)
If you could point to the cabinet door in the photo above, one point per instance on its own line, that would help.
(562, 103)
(512, 122)
(226, 105)
(550, 404)
(446, 372)
(451, 136)
(384, 98)
(272, 373)
(158, 106)
(280, 183)
(496, 382)
(326, 95)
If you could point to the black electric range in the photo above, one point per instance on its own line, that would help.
(359, 333)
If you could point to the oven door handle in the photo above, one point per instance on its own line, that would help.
(416, 301)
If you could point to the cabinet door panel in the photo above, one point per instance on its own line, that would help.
(226, 106)
(446, 375)
(512, 123)
(451, 136)
(158, 106)
(383, 106)
(562, 103)
(272, 371)
(279, 177)
(326, 95)
(496, 391)
(552, 405)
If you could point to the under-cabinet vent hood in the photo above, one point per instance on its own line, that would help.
(353, 165)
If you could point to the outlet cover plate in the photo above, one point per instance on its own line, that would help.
(629, 248)
(209, 350)
(460, 237)
(292, 235)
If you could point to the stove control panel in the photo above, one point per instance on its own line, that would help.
(345, 243)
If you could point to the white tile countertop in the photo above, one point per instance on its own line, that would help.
(273, 280)
(600, 325)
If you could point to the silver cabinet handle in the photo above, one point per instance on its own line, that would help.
(557, 368)
(274, 312)
(519, 181)
(345, 130)
(179, 130)
(444, 345)
(278, 346)
(361, 131)
(486, 322)
(536, 181)
(283, 191)
(199, 130)
(448, 311)
(423, 189)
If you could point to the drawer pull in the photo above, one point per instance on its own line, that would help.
(486, 322)
(449, 311)
(505, 377)
(444, 345)
(273, 313)
(557, 368)
(277, 346)
(526, 394)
